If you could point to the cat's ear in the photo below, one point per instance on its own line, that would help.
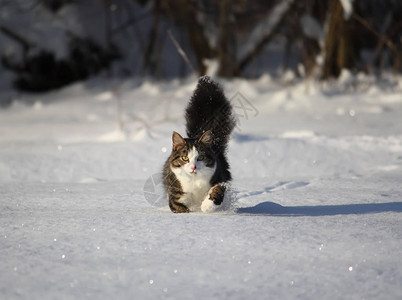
(206, 138)
(177, 140)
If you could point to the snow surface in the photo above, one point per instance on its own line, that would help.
(314, 211)
(347, 6)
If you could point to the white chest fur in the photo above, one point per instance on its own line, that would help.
(194, 178)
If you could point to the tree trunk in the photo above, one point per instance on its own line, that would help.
(226, 46)
(339, 51)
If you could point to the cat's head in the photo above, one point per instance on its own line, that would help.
(193, 156)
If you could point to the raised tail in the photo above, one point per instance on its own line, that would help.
(209, 109)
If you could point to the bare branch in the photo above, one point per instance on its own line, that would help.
(16, 37)
(386, 40)
(273, 22)
(180, 50)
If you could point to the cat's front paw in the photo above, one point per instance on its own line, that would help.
(217, 193)
(214, 198)
(208, 206)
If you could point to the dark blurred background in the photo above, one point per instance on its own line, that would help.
(47, 44)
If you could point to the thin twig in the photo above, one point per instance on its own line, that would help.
(16, 37)
(386, 40)
(180, 50)
(381, 42)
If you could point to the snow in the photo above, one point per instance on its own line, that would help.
(347, 6)
(20, 15)
(311, 27)
(314, 208)
(52, 31)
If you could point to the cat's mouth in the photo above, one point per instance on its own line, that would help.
(193, 172)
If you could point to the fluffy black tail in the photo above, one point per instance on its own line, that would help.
(210, 110)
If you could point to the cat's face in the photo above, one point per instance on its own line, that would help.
(191, 156)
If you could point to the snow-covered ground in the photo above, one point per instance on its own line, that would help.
(315, 208)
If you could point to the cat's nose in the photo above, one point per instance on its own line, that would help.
(193, 167)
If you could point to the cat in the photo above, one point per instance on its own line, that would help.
(196, 173)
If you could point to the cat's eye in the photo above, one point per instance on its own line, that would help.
(201, 157)
(184, 158)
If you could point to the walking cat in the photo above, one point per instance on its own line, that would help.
(196, 171)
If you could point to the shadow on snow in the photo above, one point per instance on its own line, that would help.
(274, 209)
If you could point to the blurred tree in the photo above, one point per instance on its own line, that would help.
(184, 14)
(226, 45)
(340, 52)
(237, 37)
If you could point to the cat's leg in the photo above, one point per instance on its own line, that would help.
(175, 194)
(176, 206)
(214, 198)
